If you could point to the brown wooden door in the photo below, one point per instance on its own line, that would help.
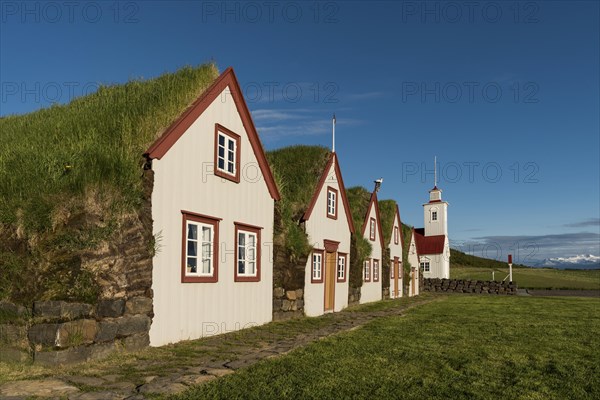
(396, 273)
(330, 264)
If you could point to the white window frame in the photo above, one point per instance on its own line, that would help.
(426, 266)
(331, 203)
(375, 270)
(372, 224)
(246, 247)
(317, 266)
(396, 235)
(434, 216)
(226, 152)
(201, 245)
(367, 271)
(341, 267)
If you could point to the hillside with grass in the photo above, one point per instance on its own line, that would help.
(71, 174)
(360, 249)
(465, 266)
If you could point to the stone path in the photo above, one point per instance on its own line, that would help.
(200, 370)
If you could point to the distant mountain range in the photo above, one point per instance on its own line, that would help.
(583, 261)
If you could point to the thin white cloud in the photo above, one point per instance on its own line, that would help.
(364, 96)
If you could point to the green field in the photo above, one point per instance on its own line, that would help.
(534, 278)
(463, 347)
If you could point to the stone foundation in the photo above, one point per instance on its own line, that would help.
(468, 286)
(353, 296)
(287, 303)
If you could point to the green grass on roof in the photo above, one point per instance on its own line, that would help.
(299, 169)
(387, 212)
(94, 141)
(358, 198)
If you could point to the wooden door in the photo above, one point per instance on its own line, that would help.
(396, 273)
(330, 264)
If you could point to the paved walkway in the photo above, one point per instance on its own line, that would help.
(234, 351)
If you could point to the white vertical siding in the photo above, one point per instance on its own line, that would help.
(396, 251)
(320, 228)
(184, 180)
(371, 291)
(440, 226)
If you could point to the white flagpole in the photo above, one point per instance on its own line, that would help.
(333, 136)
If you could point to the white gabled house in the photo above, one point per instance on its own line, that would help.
(213, 211)
(372, 289)
(429, 246)
(328, 224)
(396, 266)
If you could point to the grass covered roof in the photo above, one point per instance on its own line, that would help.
(96, 141)
(298, 169)
(387, 212)
(358, 198)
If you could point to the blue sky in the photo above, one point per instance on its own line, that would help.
(506, 94)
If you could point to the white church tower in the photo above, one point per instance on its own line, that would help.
(430, 247)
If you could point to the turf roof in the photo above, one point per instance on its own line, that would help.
(358, 198)
(298, 169)
(57, 153)
(387, 212)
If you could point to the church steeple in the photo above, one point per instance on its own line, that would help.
(435, 213)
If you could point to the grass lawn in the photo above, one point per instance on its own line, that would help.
(465, 347)
(535, 278)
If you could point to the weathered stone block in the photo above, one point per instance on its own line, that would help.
(12, 334)
(277, 303)
(300, 304)
(136, 342)
(69, 356)
(138, 305)
(44, 334)
(286, 306)
(75, 333)
(278, 292)
(10, 354)
(299, 293)
(98, 351)
(291, 295)
(130, 325)
(10, 311)
(61, 310)
(107, 331)
(110, 308)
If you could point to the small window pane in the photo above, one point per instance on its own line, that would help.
(251, 268)
(206, 233)
(222, 140)
(192, 265)
(241, 267)
(241, 239)
(206, 266)
(192, 249)
(192, 231)
(231, 144)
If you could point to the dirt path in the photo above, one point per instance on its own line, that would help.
(148, 374)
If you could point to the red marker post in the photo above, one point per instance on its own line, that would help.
(510, 267)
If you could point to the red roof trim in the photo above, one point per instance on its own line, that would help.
(428, 244)
(342, 194)
(435, 201)
(162, 145)
(378, 219)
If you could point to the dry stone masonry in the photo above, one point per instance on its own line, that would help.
(468, 286)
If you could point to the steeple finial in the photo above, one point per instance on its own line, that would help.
(333, 134)
(434, 171)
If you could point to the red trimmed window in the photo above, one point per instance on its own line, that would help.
(200, 258)
(317, 266)
(247, 254)
(341, 267)
(332, 200)
(367, 271)
(396, 235)
(375, 270)
(227, 154)
(372, 229)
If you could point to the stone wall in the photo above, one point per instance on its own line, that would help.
(287, 303)
(468, 286)
(61, 332)
(353, 296)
